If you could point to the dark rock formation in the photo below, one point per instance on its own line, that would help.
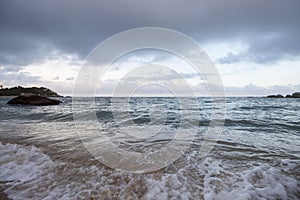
(32, 99)
(275, 96)
(296, 95)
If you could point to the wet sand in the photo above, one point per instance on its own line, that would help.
(3, 196)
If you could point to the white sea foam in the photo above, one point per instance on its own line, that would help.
(29, 173)
(258, 182)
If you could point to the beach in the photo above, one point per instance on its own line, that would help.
(256, 156)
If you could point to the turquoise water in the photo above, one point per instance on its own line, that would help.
(257, 156)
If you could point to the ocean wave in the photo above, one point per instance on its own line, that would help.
(29, 173)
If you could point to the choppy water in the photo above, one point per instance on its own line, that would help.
(256, 157)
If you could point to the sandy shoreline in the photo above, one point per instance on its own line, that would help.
(3, 196)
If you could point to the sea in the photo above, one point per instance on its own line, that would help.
(47, 153)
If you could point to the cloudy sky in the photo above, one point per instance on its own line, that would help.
(255, 45)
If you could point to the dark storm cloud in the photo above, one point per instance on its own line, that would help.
(17, 50)
(31, 30)
(267, 48)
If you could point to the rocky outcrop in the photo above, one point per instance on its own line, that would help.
(275, 96)
(32, 99)
(294, 95)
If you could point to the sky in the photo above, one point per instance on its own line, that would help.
(255, 45)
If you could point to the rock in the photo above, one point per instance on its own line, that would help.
(296, 95)
(275, 96)
(35, 100)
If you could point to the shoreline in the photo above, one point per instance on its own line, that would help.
(3, 195)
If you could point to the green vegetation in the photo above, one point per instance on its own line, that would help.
(16, 91)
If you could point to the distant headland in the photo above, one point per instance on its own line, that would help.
(294, 95)
(18, 90)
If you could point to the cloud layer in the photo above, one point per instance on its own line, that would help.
(33, 31)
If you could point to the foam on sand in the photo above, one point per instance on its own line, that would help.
(29, 173)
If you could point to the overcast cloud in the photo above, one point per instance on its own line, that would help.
(33, 31)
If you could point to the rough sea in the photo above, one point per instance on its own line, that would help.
(256, 156)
